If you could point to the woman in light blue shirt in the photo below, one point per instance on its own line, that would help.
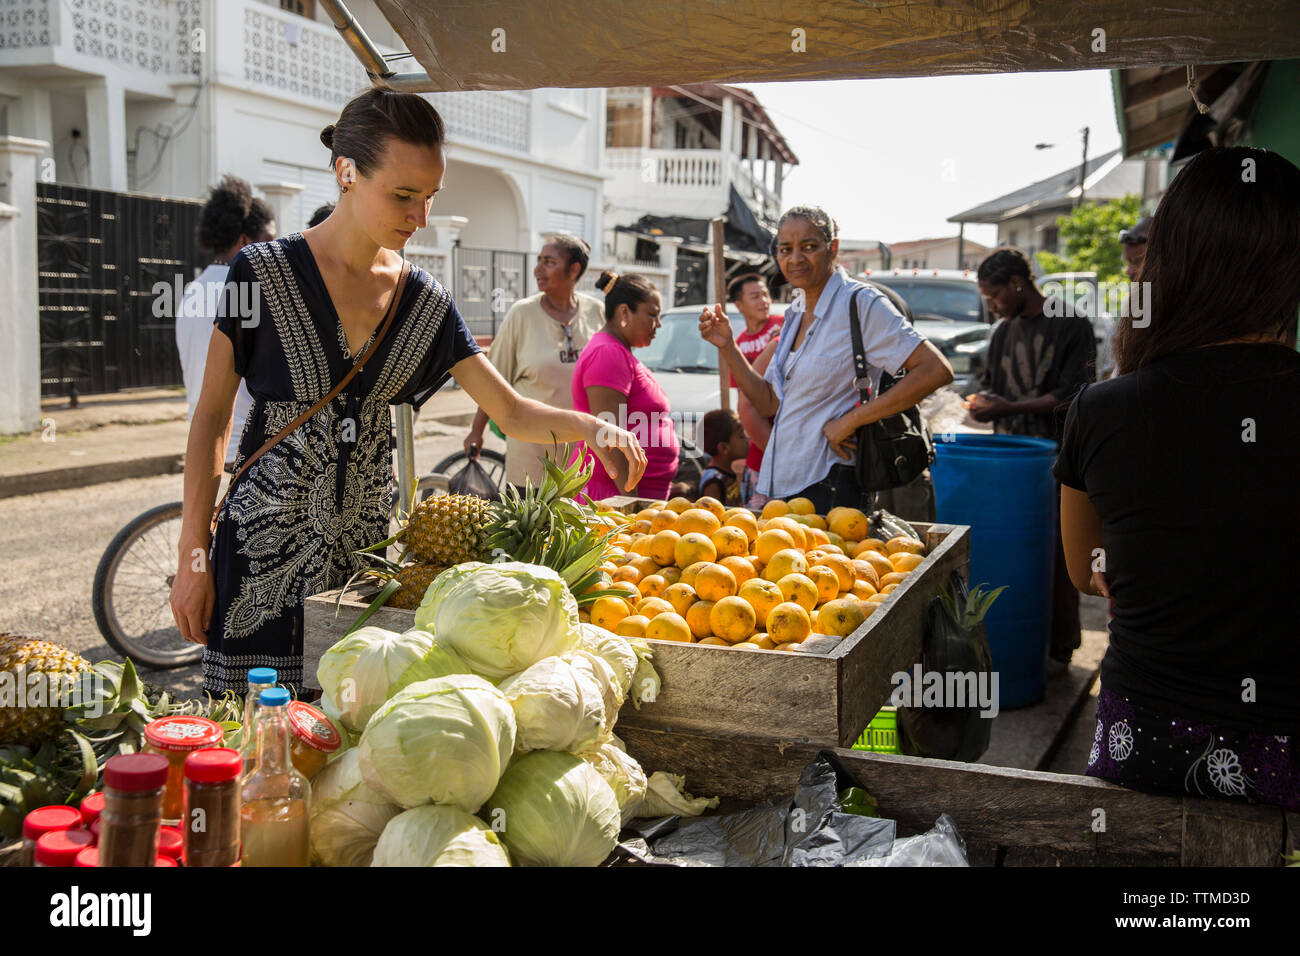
(809, 384)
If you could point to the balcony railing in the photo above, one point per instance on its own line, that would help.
(688, 173)
(155, 37)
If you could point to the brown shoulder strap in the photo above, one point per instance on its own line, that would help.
(301, 419)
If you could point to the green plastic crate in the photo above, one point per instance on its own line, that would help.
(881, 735)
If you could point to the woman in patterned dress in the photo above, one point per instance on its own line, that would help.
(297, 314)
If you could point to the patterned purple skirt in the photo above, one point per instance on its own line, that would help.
(1143, 750)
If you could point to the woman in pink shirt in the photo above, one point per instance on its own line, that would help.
(612, 384)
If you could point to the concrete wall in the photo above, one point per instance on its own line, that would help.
(20, 359)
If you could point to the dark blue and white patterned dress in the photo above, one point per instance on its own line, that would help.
(294, 519)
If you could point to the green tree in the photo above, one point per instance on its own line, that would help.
(1091, 237)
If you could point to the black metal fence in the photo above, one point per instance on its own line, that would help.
(486, 282)
(101, 256)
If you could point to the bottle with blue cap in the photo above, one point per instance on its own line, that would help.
(274, 818)
(259, 679)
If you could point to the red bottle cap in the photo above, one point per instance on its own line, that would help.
(213, 765)
(87, 857)
(170, 842)
(91, 807)
(50, 820)
(135, 772)
(96, 827)
(313, 727)
(165, 861)
(182, 733)
(60, 847)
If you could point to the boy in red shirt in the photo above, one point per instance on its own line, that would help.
(750, 295)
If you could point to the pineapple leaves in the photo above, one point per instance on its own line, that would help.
(391, 588)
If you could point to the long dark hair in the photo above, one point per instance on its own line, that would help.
(362, 131)
(630, 290)
(231, 211)
(1223, 256)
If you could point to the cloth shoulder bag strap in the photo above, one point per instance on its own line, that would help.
(329, 397)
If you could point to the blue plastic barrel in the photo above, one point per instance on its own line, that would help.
(1002, 486)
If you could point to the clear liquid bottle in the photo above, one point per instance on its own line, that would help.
(276, 797)
(259, 679)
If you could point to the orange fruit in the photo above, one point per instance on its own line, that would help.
(843, 568)
(826, 581)
(669, 626)
(663, 546)
(633, 625)
(877, 561)
(788, 622)
(745, 521)
(840, 617)
(866, 571)
(642, 525)
(887, 589)
(850, 524)
(762, 640)
(608, 612)
(832, 548)
(645, 564)
(678, 504)
(775, 507)
(786, 561)
(646, 514)
(893, 577)
(714, 583)
(862, 590)
(877, 598)
(649, 607)
(603, 580)
(694, 547)
(633, 592)
(746, 646)
(904, 561)
(742, 568)
(609, 568)
(762, 596)
(732, 619)
(682, 596)
(794, 528)
(801, 506)
(713, 506)
(672, 574)
(716, 641)
(788, 646)
(904, 543)
(697, 519)
(584, 616)
(728, 541)
(869, 544)
(640, 546)
(618, 558)
(691, 570)
(771, 541)
(814, 523)
(697, 618)
(662, 520)
(820, 538)
(798, 589)
(628, 573)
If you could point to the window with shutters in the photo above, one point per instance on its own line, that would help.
(574, 223)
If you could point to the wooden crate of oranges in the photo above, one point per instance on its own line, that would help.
(826, 613)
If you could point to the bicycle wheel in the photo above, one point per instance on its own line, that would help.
(493, 462)
(132, 591)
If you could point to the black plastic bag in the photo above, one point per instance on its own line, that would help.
(956, 644)
(473, 479)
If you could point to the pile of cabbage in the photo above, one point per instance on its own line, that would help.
(484, 736)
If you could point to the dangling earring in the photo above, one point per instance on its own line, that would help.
(345, 189)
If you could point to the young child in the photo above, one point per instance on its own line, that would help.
(725, 442)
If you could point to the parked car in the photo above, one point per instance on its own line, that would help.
(947, 309)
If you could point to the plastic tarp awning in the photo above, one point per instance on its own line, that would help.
(526, 44)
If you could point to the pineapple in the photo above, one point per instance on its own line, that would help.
(415, 580)
(446, 529)
(20, 657)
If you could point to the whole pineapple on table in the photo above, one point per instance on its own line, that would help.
(20, 657)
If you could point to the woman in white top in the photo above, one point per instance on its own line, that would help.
(538, 344)
(809, 385)
(231, 219)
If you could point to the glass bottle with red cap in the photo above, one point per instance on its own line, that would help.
(60, 847)
(175, 738)
(211, 824)
(276, 796)
(46, 820)
(133, 798)
(91, 807)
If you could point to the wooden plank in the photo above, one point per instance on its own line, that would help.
(890, 640)
(1252, 835)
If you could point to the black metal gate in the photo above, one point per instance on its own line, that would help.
(103, 256)
(486, 283)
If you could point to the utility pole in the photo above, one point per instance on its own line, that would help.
(1083, 166)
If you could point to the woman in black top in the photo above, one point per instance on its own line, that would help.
(1181, 495)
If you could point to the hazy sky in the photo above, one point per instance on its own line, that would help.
(893, 159)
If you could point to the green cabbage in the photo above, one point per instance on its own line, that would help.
(554, 809)
(436, 591)
(371, 664)
(347, 816)
(503, 618)
(557, 706)
(438, 836)
(623, 774)
(600, 673)
(666, 795)
(444, 740)
(614, 651)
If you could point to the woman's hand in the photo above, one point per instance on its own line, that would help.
(612, 445)
(473, 444)
(193, 595)
(715, 327)
(840, 433)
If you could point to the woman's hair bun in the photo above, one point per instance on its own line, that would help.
(606, 281)
(327, 137)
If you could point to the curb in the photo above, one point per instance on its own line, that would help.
(61, 479)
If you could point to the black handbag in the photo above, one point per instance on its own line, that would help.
(893, 451)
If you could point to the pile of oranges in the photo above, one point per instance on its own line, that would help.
(698, 572)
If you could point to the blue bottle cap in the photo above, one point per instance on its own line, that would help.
(273, 697)
(262, 675)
